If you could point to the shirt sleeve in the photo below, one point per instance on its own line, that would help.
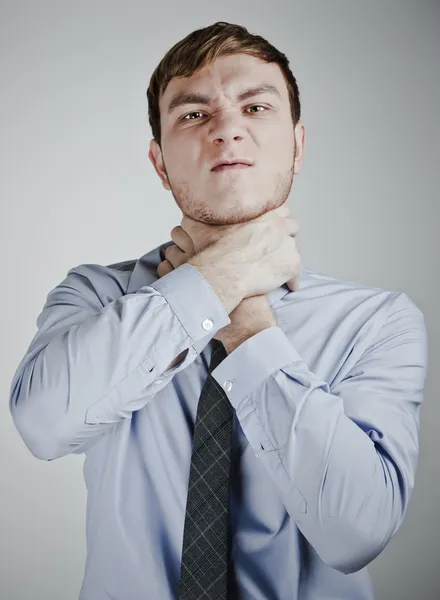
(343, 459)
(91, 365)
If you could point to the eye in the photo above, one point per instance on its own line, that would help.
(257, 106)
(197, 112)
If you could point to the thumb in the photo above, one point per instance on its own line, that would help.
(293, 284)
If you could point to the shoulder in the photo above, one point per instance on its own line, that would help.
(340, 296)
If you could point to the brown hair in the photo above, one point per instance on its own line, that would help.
(203, 46)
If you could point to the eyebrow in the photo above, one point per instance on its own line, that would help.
(182, 98)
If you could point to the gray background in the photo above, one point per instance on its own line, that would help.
(76, 186)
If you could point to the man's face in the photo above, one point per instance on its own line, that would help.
(257, 128)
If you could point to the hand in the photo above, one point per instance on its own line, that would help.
(259, 255)
(250, 316)
(178, 253)
(193, 236)
(253, 314)
(189, 238)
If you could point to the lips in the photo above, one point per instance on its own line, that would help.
(237, 163)
(231, 167)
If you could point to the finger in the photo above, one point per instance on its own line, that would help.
(176, 256)
(164, 267)
(187, 222)
(293, 284)
(283, 210)
(292, 226)
(190, 228)
(182, 239)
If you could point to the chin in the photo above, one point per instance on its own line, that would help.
(242, 212)
(238, 199)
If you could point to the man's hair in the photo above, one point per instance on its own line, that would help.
(202, 47)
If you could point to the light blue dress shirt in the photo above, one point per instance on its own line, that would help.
(326, 425)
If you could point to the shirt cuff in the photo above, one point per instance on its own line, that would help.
(194, 302)
(254, 361)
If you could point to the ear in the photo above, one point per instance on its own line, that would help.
(300, 143)
(155, 155)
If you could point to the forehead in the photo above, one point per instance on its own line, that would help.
(227, 75)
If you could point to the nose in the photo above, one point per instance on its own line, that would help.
(225, 129)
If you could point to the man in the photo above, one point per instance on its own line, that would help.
(323, 379)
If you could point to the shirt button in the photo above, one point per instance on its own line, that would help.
(207, 324)
(158, 381)
(227, 385)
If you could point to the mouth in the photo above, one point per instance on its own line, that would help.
(234, 166)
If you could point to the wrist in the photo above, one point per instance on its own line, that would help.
(254, 314)
(232, 340)
(226, 284)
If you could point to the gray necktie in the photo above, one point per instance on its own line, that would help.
(205, 552)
